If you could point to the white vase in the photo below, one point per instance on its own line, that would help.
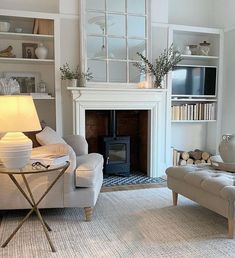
(187, 51)
(41, 51)
(73, 83)
(227, 148)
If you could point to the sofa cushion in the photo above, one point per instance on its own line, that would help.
(49, 136)
(89, 169)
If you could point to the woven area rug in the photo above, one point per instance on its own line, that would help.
(133, 179)
(138, 223)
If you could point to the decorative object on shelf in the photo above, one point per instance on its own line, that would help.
(27, 81)
(42, 87)
(43, 26)
(143, 85)
(167, 60)
(28, 50)
(7, 52)
(204, 48)
(227, 148)
(74, 76)
(187, 51)
(41, 51)
(193, 49)
(18, 30)
(4, 26)
(9, 86)
(17, 114)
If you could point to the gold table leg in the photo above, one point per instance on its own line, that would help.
(35, 209)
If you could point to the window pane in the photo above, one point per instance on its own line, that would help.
(136, 45)
(134, 74)
(116, 5)
(95, 4)
(96, 47)
(98, 69)
(136, 26)
(95, 23)
(117, 48)
(136, 6)
(116, 25)
(117, 71)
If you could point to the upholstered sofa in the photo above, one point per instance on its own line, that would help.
(79, 187)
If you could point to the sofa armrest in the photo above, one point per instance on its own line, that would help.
(78, 143)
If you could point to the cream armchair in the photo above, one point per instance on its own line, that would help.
(79, 187)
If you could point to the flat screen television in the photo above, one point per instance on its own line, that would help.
(194, 80)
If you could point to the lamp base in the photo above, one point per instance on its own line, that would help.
(15, 150)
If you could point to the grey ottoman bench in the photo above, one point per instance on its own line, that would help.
(210, 188)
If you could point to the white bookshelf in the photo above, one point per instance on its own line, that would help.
(26, 61)
(197, 134)
(199, 57)
(48, 106)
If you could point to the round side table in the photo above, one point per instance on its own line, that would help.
(29, 196)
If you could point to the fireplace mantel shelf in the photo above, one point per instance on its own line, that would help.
(115, 89)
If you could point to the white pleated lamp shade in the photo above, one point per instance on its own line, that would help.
(17, 114)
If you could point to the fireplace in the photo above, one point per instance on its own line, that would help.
(102, 98)
(116, 150)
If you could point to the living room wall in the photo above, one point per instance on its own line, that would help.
(187, 12)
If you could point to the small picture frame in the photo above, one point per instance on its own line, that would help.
(28, 50)
(28, 81)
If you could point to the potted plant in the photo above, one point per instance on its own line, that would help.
(167, 60)
(73, 76)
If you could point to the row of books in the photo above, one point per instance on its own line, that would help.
(198, 111)
(175, 157)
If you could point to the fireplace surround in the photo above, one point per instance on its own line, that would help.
(110, 98)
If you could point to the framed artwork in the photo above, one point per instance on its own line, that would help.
(28, 81)
(28, 50)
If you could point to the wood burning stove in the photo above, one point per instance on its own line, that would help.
(116, 150)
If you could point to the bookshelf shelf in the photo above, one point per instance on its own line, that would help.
(195, 120)
(199, 57)
(192, 121)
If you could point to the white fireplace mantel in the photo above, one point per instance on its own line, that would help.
(153, 100)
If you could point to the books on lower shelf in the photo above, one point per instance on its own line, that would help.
(198, 111)
(51, 160)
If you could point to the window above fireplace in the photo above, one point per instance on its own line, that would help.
(114, 32)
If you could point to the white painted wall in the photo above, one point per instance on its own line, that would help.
(224, 13)
(228, 120)
(192, 12)
(50, 6)
(69, 7)
(159, 11)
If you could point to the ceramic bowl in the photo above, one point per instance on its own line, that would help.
(4, 26)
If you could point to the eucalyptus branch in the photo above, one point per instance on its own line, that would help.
(166, 61)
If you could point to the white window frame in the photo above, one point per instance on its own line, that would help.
(83, 45)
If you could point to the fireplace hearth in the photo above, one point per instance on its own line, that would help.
(116, 150)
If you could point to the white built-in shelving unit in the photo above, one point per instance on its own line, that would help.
(199, 133)
(48, 106)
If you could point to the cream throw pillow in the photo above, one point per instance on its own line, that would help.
(49, 136)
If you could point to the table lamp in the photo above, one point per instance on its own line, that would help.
(17, 114)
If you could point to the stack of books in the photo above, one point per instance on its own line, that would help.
(198, 111)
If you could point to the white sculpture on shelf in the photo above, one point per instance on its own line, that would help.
(9, 86)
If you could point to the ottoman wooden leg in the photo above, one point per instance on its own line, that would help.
(230, 228)
(175, 198)
(88, 213)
